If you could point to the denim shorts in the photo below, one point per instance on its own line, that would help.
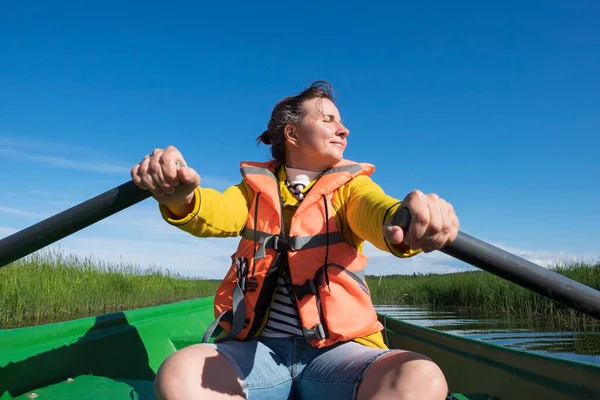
(289, 368)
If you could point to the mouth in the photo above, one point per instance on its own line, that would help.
(338, 144)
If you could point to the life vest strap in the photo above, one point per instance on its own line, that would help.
(236, 316)
(289, 243)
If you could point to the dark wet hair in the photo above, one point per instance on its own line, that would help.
(290, 110)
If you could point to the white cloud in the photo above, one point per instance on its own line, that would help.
(93, 166)
(216, 182)
(382, 263)
(48, 146)
(27, 144)
(19, 212)
(548, 258)
(207, 258)
(63, 204)
(140, 236)
(49, 193)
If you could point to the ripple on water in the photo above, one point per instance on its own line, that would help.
(511, 333)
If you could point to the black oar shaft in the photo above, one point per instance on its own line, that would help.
(69, 221)
(517, 270)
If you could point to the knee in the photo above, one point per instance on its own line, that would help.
(172, 378)
(196, 371)
(404, 375)
(419, 374)
(431, 380)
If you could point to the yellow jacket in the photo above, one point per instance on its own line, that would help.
(360, 208)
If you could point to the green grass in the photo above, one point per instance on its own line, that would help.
(485, 292)
(50, 286)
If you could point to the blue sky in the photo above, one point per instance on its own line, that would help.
(492, 106)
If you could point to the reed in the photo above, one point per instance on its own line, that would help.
(49, 286)
(483, 291)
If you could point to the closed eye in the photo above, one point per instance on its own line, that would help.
(330, 118)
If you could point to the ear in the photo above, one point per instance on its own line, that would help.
(290, 132)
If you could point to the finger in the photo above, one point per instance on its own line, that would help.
(155, 170)
(454, 224)
(188, 177)
(428, 242)
(146, 178)
(393, 234)
(419, 219)
(449, 229)
(436, 221)
(162, 183)
(156, 152)
(171, 161)
(136, 178)
(142, 172)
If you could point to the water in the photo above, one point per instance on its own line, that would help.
(519, 334)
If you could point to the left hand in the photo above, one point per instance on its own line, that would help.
(433, 225)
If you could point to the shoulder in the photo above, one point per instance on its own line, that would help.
(358, 187)
(362, 183)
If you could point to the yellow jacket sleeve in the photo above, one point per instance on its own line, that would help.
(368, 209)
(214, 214)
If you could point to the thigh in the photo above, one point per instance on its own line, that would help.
(263, 373)
(337, 372)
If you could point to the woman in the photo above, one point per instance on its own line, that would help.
(295, 311)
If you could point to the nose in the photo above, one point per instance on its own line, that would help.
(342, 131)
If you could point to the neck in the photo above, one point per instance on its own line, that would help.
(306, 164)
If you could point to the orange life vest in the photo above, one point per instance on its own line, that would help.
(327, 273)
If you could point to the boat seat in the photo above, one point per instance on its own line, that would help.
(94, 388)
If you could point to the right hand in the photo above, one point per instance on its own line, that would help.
(167, 176)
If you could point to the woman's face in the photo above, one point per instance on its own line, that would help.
(319, 141)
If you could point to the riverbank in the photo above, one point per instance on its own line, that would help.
(51, 286)
(483, 291)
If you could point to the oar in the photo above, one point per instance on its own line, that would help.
(465, 248)
(517, 270)
(69, 221)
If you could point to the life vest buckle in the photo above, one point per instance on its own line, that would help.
(251, 284)
(283, 242)
(317, 332)
(308, 287)
(242, 274)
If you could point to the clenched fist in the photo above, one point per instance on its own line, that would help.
(166, 174)
(433, 225)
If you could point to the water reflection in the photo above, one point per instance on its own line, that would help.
(522, 334)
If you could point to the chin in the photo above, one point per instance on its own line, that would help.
(326, 160)
(338, 156)
(335, 159)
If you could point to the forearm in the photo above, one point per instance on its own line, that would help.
(213, 214)
(369, 209)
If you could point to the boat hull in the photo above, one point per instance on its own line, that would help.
(116, 356)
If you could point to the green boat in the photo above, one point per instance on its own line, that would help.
(116, 356)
